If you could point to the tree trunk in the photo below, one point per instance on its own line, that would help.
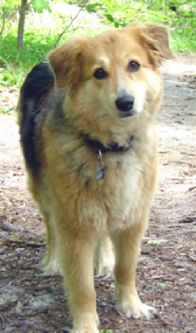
(21, 25)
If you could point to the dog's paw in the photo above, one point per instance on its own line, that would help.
(52, 268)
(133, 307)
(104, 271)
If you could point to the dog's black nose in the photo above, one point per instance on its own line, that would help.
(125, 103)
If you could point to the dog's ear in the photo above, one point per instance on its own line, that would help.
(65, 61)
(157, 39)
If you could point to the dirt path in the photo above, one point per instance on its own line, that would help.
(166, 274)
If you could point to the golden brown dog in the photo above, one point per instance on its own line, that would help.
(90, 149)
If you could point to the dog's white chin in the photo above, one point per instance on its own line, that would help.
(126, 114)
(123, 114)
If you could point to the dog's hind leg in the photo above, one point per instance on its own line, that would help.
(127, 247)
(50, 262)
(104, 258)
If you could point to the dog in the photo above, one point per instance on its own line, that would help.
(87, 131)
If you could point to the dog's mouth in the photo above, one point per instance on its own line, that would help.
(126, 114)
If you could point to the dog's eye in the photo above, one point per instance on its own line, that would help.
(133, 66)
(100, 74)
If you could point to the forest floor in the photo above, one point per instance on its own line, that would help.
(166, 272)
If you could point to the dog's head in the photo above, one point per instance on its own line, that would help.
(113, 74)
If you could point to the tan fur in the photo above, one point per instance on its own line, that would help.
(80, 211)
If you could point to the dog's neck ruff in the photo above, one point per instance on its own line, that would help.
(113, 147)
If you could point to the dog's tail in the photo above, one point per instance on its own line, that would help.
(36, 87)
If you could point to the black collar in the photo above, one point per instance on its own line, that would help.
(111, 147)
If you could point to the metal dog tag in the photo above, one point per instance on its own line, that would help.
(100, 173)
(100, 169)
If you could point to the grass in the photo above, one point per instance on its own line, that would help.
(183, 39)
(15, 65)
(41, 32)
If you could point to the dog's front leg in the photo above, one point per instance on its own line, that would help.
(127, 247)
(76, 257)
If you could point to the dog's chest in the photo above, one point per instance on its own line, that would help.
(116, 195)
(122, 187)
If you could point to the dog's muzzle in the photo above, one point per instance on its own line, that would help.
(125, 105)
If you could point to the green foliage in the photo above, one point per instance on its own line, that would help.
(43, 29)
(162, 285)
(40, 5)
(8, 10)
(154, 242)
(15, 65)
